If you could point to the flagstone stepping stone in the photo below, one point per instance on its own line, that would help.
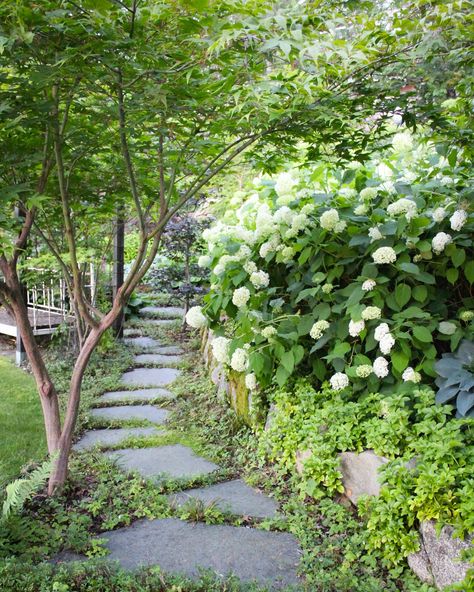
(270, 558)
(168, 350)
(148, 412)
(165, 312)
(234, 496)
(138, 395)
(92, 438)
(157, 359)
(163, 322)
(142, 342)
(150, 376)
(175, 461)
(132, 333)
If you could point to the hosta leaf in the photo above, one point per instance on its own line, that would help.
(465, 402)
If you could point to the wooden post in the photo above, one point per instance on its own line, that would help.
(118, 270)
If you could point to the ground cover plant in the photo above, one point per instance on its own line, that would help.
(99, 497)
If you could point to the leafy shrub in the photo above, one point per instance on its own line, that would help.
(429, 475)
(361, 276)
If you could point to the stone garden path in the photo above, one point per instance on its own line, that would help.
(177, 546)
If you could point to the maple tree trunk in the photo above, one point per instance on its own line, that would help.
(47, 392)
(59, 474)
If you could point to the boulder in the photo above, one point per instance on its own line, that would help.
(301, 456)
(438, 560)
(360, 473)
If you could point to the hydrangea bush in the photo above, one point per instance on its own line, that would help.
(360, 276)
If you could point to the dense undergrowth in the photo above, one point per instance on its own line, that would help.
(99, 497)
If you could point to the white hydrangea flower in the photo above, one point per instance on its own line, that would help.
(386, 343)
(308, 209)
(447, 328)
(410, 375)
(329, 219)
(243, 253)
(368, 193)
(371, 312)
(369, 285)
(384, 255)
(439, 214)
(380, 367)
(269, 332)
(356, 327)
(389, 187)
(218, 269)
(318, 329)
(439, 242)
(327, 288)
(375, 234)
(287, 254)
(269, 246)
(380, 331)
(220, 349)
(284, 183)
(458, 219)
(360, 210)
(340, 226)
(284, 200)
(260, 279)
(466, 315)
(347, 192)
(300, 222)
(239, 361)
(195, 317)
(250, 267)
(204, 261)
(251, 381)
(402, 142)
(403, 206)
(339, 381)
(364, 370)
(384, 171)
(283, 216)
(241, 296)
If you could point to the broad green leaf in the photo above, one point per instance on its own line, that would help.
(402, 294)
(422, 334)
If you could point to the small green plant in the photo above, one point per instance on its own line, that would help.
(456, 379)
(18, 492)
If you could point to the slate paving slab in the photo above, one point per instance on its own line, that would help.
(148, 412)
(131, 332)
(163, 322)
(169, 350)
(138, 395)
(234, 496)
(164, 312)
(150, 376)
(270, 558)
(141, 342)
(175, 461)
(111, 437)
(157, 359)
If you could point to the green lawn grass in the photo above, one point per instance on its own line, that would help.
(21, 422)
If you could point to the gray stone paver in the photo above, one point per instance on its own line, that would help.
(180, 547)
(169, 350)
(233, 496)
(150, 376)
(164, 312)
(111, 437)
(126, 412)
(141, 342)
(157, 359)
(163, 322)
(138, 395)
(176, 461)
